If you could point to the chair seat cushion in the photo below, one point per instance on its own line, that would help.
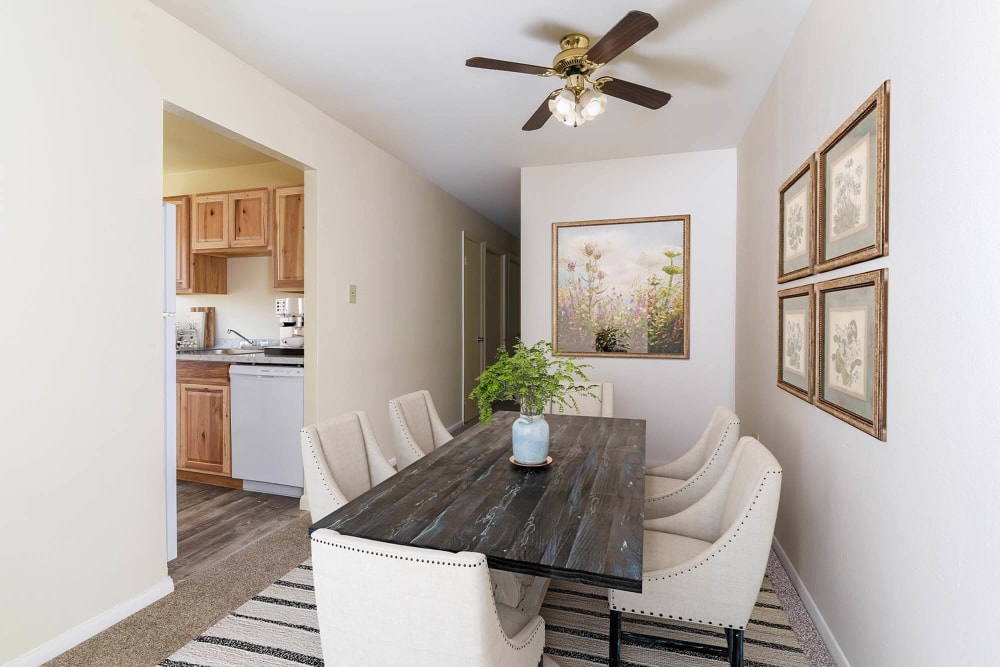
(657, 487)
(664, 550)
(512, 620)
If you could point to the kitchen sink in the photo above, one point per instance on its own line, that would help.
(225, 350)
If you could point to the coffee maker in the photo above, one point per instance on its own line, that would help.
(291, 318)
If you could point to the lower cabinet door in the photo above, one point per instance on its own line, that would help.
(203, 428)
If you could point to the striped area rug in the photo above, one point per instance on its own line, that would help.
(278, 628)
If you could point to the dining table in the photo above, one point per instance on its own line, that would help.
(578, 519)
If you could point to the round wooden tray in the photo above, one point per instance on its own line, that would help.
(546, 462)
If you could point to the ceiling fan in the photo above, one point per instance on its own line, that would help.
(575, 103)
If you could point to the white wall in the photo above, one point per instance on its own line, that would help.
(248, 304)
(675, 396)
(81, 420)
(896, 542)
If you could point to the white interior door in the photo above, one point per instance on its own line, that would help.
(472, 322)
(493, 304)
(170, 372)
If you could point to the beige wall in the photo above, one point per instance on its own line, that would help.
(675, 396)
(894, 543)
(82, 499)
(248, 305)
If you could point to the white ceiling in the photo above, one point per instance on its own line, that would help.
(393, 70)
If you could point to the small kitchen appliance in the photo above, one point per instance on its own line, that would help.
(291, 335)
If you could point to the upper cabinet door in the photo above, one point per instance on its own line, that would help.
(289, 238)
(183, 213)
(211, 222)
(248, 221)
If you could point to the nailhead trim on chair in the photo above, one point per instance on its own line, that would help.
(704, 469)
(326, 482)
(480, 563)
(702, 562)
(406, 431)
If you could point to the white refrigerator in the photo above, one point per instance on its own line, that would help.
(169, 315)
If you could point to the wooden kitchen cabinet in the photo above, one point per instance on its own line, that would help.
(289, 238)
(203, 429)
(196, 274)
(231, 223)
(203, 424)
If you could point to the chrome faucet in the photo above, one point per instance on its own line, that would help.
(249, 342)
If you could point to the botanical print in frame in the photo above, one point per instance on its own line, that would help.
(620, 288)
(852, 187)
(796, 341)
(850, 350)
(796, 223)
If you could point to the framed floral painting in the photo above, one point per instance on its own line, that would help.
(797, 223)
(796, 340)
(850, 355)
(852, 187)
(620, 288)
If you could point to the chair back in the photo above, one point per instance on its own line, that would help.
(387, 604)
(601, 404)
(335, 462)
(416, 427)
(754, 490)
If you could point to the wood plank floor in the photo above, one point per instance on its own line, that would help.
(214, 522)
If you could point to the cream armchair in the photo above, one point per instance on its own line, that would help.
(383, 604)
(601, 404)
(416, 427)
(705, 564)
(679, 484)
(341, 460)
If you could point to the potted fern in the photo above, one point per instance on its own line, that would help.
(533, 378)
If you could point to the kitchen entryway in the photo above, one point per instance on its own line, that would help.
(214, 522)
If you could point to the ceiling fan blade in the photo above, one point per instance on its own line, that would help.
(636, 94)
(506, 66)
(624, 34)
(541, 115)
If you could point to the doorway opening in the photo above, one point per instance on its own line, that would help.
(234, 339)
(491, 311)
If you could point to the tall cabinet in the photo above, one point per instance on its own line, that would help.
(289, 238)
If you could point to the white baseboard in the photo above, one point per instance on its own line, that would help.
(824, 630)
(87, 629)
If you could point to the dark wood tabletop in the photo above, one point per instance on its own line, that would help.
(579, 519)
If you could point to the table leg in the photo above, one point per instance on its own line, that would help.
(615, 640)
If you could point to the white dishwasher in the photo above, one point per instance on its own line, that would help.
(266, 415)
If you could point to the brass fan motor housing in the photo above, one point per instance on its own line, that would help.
(573, 57)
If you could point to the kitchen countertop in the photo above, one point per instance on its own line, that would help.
(257, 358)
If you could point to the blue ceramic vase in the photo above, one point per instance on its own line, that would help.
(531, 439)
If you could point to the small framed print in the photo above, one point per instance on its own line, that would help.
(853, 187)
(796, 340)
(850, 350)
(797, 222)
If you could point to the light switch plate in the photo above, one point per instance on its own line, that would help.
(353, 294)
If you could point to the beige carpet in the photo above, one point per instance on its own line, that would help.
(147, 637)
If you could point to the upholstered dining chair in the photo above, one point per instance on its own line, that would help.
(601, 404)
(679, 484)
(341, 460)
(705, 564)
(416, 427)
(437, 606)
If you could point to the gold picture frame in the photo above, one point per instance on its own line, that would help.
(615, 288)
(797, 341)
(797, 223)
(851, 325)
(852, 209)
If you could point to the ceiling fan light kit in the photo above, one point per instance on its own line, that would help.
(582, 98)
